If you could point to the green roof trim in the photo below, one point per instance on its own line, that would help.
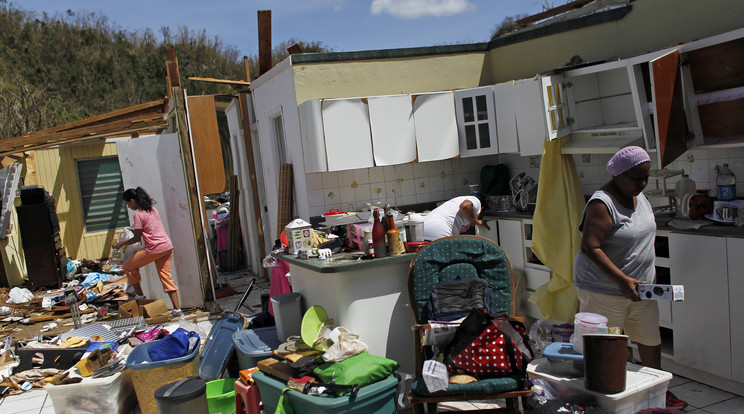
(389, 53)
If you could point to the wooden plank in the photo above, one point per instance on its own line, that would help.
(294, 48)
(210, 168)
(223, 81)
(171, 67)
(233, 238)
(247, 69)
(193, 193)
(250, 157)
(284, 213)
(264, 41)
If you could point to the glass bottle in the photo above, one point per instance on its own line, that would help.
(395, 242)
(726, 183)
(378, 236)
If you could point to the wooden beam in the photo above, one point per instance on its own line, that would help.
(21, 143)
(294, 48)
(193, 192)
(553, 12)
(224, 81)
(247, 69)
(171, 67)
(264, 41)
(250, 158)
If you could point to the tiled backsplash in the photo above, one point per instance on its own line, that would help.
(441, 180)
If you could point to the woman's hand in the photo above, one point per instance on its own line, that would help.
(481, 222)
(628, 288)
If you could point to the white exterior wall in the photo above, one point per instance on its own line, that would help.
(274, 92)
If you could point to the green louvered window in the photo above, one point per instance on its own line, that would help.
(100, 189)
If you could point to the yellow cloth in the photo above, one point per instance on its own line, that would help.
(555, 238)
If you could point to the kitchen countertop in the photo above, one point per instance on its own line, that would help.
(662, 220)
(342, 262)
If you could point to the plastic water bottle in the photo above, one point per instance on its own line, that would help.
(726, 183)
(683, 187)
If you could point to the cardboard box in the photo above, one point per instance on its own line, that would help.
(148, 308)
(661, 292)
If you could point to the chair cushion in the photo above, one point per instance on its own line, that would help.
(484, 386)
(464, 257)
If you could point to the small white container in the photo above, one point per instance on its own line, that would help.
(416, 227)
(587, 323)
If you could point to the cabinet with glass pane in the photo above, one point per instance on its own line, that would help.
(476, 121)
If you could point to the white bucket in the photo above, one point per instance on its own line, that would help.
(587, 323)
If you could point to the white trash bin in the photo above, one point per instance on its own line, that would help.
(287, 314)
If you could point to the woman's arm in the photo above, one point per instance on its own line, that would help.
(468, 211)
(597, 226)
(136, 238)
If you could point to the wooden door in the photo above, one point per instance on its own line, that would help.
(669, 115)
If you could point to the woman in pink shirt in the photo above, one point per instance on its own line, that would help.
(158, 248)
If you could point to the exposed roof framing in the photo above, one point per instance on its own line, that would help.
(144, 118)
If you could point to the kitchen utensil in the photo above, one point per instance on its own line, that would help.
(524, 191)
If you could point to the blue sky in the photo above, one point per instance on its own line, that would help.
(343, 25)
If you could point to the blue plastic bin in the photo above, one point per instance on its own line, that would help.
(373, 398)
(219, 348)
(253, 345)
(563, 360)
(147, 376)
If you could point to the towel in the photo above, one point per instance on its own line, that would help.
(555, 237)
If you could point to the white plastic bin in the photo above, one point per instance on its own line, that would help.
(644, 388)
(287, 314)
(113, 394)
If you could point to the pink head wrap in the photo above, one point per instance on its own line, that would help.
(626, 159)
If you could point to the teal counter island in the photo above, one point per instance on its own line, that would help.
(367, 297)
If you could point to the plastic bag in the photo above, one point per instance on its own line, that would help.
(20, 295)
(345, 345)
(130, 249)
(546, 331)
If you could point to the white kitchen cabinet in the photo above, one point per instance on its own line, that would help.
(313, 141)
(506, 117)
(528, 107)
(436, 126)
(476, 121)
(393, 130)
(735, 248)
(702, 333)
(348, 138)
(663, 276)
(595, 105)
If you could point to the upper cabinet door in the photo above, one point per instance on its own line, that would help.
(669, 115)
(436, 126)
(555, 107)
(528, 106)
(311, 131)
(393, 131)
(348, 139)
(476, 123)
(506, 117)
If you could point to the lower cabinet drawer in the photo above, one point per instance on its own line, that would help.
(535, 277)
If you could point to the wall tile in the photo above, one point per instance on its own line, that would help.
(314, 181)
(361, 175)
(362, 193)
(407, 187)
(345, 178)
(376, 174)
(390, 172)
(315, 198)
(420, 169)
(436, 184)
(330, 179)
(404, 171)
(421, 185)
(423, 198)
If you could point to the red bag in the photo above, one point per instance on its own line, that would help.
(489, 346)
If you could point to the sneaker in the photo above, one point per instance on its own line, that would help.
(674, 403)
(176, 313)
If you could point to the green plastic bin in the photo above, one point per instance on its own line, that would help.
(221, 396)
(373, 398)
